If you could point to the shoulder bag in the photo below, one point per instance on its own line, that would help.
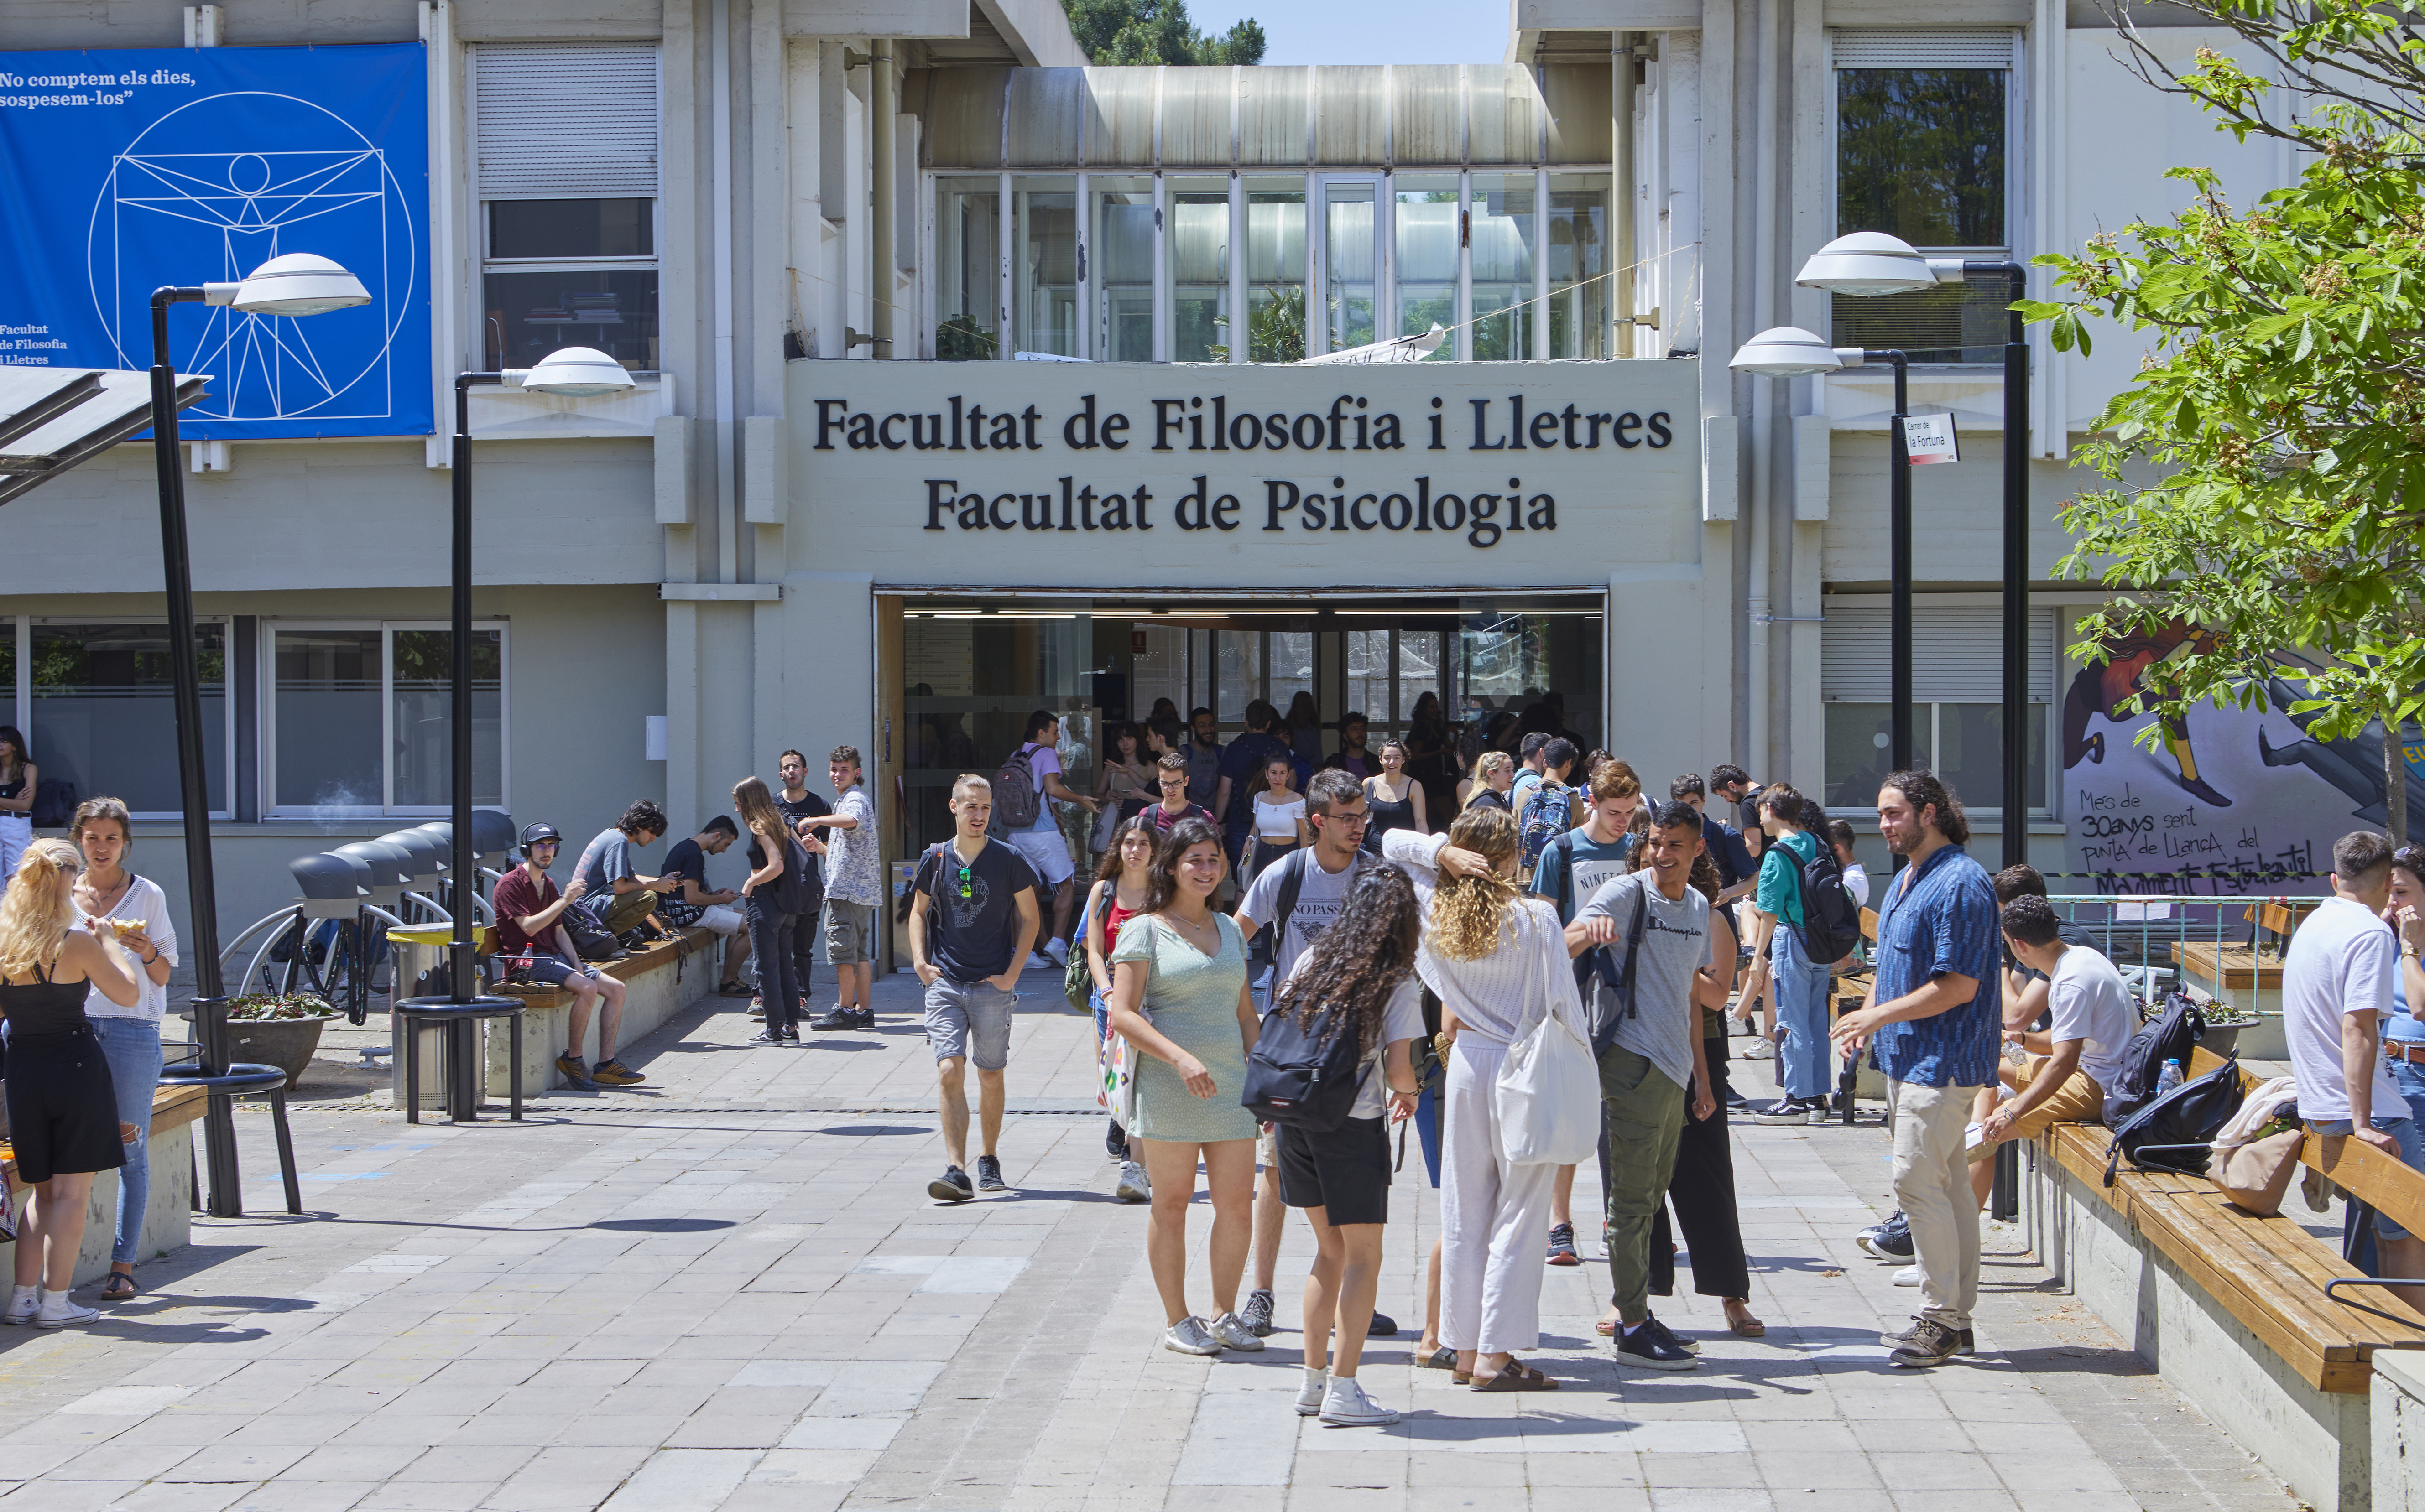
(1547, 1098)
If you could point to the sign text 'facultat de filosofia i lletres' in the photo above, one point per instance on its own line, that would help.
(1484, 507)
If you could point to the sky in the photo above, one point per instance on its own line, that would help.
(1367, 31)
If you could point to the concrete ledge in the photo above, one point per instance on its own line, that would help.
(168, 1217)
(2318, 1441)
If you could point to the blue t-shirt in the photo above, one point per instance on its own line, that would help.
(1935, 918)
(1593, 865)
(1243, 761)
(605, 860)
(1727, 852)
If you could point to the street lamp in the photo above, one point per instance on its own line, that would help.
(573, 372)
(1874, 263)
(1790, 352)
(293, 284)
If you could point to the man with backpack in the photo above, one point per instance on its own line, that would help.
(2077, 1060)
(1647, 934)
(1544, 807)
(1295, 900)
(1799, 914)
(1022, 793)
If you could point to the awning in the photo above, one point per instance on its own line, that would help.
(52, 418)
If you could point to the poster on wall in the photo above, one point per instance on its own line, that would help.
(2232, 802)
(122, 171)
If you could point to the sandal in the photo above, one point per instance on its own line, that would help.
(120, 1288)
(731, 989)
(1516, 1377)
(1438, 1359)
(1605, 1328)
(1745, 1327)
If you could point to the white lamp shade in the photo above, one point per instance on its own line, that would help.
(1786, 352)
(1866, 262)
(298, 283)
(577, 372)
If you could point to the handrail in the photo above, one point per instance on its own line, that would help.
(431, 904)
(2333, 1287)
(283, 916)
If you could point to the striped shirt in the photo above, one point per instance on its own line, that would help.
(1939, 918)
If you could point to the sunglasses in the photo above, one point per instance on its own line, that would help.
(965, 891)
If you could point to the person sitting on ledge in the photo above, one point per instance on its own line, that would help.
(530, 920)
(623, 900)
(2072, 1064)
(685, 881)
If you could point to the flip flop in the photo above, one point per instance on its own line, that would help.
(1516, 1377)
(1605, 1328)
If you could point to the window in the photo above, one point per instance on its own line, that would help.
(968, 268)
(566, 144)
(358, 719)
(1957, 695)
(1275, 268)
(1351, 263)
(1923, 122)
(1123, 269)
(1196, 241)
(1503, 236)
(1043, 266)
(1579, 264)
(104, 713)
(1425, 217)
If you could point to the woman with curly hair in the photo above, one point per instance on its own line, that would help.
(1496, 959)
(62, 1109)
(1361, 969)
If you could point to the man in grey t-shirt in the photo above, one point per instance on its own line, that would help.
(1651, 1059)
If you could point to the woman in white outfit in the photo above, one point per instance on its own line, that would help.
(1494, 959)
(137, 909)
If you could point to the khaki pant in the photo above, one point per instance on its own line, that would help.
(1932, 1183)
(2079, 1100)
(624, 911)
(1646, 1116)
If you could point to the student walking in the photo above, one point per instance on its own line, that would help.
(1170, 773)
(1279, 825)
(1486, 953)
(1360, 972)
(1041, 842)
(19, 778)
(1124, 785)
(854, 890)
(1179, 999)
(772, 900)
(62, 1109)
(1806, 1060)
(1493, 778)
(973, 915)
(1116, 897)
(129, 1034)
(1931, 1024)
(1396, 798)
(804, 811)
(1649, 931)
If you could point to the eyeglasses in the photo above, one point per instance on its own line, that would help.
(965, 891)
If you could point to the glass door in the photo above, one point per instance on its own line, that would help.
(1350, 253)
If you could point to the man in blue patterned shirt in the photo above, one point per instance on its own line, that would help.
(1932, 1023)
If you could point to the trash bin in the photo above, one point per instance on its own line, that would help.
(420, 969)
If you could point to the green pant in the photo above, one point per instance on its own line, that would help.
(1645, 1115)
(624, 911)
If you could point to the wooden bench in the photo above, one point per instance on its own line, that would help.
(2231, 1308)
(167, 1216)
(658, 983)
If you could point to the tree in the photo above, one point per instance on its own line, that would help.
(2269, 463)
(1157, 31)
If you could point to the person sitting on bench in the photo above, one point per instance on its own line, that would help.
(2072, 1063)
(622, 900)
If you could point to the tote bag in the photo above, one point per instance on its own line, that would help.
(1547, 1098)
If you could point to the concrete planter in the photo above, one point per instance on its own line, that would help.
(284, 1043)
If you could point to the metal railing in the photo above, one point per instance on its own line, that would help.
(2139, 935)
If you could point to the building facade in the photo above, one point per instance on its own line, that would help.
(969, 385)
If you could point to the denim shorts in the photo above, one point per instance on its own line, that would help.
(971, 1019)
(553, 969)
(2401, 1129)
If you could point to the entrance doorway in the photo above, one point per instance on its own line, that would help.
(1450, 675)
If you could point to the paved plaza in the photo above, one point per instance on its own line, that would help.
(727, 1289)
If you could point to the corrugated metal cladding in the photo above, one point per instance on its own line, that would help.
(565, 120)
(1441, 116)
(1923, 47)
(1958, 650)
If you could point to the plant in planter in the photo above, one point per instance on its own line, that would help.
(278, 1029)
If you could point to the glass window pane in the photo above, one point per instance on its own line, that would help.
(1424, 227)
(1368, 679)
(572, 228)
(1950, 323)
(103, 717)
(1351, 260)
(326, 719)
(1419, 658)
(1971, 759)
(424, 749)
(1123, 270)
(968, 262)
(1196, 238)
(1292, 669)
(1920, 155)
(1043, 266)
(1503, 234)
(971, 688)
(531, 314)
(8, 666)
(1276, 270)
(1579, 261)
(1860, 741)
(1238, 673)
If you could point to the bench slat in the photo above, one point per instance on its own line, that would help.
(2295, 1260)
(2380, 1179)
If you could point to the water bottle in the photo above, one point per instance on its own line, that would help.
(2171, 1077)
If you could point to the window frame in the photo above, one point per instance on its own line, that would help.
(2016, 158)
(387, 807)
(654, 263)
(24, 694)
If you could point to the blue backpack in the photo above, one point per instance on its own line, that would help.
(1547, 815)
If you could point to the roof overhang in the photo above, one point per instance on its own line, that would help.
(54, 419)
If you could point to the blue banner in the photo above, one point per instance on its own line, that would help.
(121, 171)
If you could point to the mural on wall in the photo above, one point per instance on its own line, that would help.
(123, 171)
(2236, 802)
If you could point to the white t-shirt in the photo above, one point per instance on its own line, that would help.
(1403, 1019)
(2091, 1003)
(2342, 960)
(1044, 762)
(1319, 898)
(1277, 821)
(1856, 881)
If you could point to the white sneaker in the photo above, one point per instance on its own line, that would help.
(1188, 1336)
(1134, 1188)
(1059, 953)
(23, 1304)
(1309, 1395)
(59, 1310)
(1039, 960)
(1908, 1276)
(1233, 1332)
(1760, 1050)
(1345, 1406)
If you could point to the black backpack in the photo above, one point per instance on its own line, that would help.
(55, 804)
(2172, 1035)
(1263, 950)
(580, 920)
(793, 892)
(2180, 1125)
(1306, 1076)
(1831, 921)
